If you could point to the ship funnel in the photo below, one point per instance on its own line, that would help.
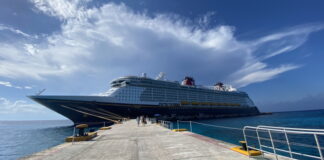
(188, 81)
(161, 76)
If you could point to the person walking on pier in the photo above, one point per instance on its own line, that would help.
(138, 120)
(143, 120)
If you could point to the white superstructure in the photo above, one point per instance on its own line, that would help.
(143, 90)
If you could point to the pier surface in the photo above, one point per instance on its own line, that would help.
(127, 141)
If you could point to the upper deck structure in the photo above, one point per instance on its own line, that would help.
(142, 90)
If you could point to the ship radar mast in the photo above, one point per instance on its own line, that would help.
(222, 87)
(219, 86)
(144, 75)
(161, 76)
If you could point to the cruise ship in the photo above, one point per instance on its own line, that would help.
(133, 96)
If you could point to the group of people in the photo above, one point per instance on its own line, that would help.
(141, 120)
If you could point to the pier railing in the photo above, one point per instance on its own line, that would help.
(295, 143)
(269, 142)
(166, 124)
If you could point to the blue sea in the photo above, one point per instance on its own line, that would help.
(22, 138)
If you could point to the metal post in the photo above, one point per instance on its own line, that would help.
(104, 124)
(273, 146)
(288, 143)
(73, 135)
(260, 145)
(178, 124)
(190, 127)
(318, 147)
(247, 146)
(257, 132)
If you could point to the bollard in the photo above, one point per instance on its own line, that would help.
(82, 128)
(244, 147)
(190, 127)
(73, 135)
(178, 124)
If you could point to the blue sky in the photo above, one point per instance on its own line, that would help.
(272, 50)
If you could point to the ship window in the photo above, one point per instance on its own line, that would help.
(115, 85)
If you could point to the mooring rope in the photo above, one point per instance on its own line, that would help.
(105, 114)
(218, 126)
(111, 113)
(90, 114)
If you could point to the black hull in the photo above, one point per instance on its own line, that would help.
(68, 109)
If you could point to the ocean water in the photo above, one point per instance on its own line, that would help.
(299, 119)
(22, 138)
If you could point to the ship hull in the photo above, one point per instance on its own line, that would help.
(91, 112)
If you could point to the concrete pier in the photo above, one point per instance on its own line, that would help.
(127, 141)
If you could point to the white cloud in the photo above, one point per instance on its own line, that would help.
(31, 49)
(28, 87)
(17, 31)
(62, 9)
(261, 74)
(8, 84)
(115, 40)
(17, 62)
(8, 107)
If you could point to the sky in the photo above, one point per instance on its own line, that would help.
(273, 50)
